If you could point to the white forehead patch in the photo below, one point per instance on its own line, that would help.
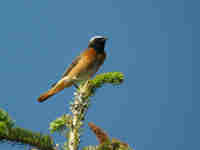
(95, 37)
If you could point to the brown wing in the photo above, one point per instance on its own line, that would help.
(74, 63)
(89, 53)
(88, 64)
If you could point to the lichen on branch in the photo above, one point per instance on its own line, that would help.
(79, 107)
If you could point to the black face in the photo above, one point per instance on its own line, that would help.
(98, 44)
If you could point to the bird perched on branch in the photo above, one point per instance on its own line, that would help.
(82, 68)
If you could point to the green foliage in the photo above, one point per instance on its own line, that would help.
(114, 78)
(109, 145)
(3, 128)
(27, 136)
(6, 119)
(90, 148)
(5, 122)
(119, 145)
(23, 136)
(60, 124)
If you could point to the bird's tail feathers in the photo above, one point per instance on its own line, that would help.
(59, 86)
(43, 97)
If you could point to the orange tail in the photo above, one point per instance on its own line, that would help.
(55, 89)
(43, 97)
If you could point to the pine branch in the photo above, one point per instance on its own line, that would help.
(17, 135)
(81, 104)
(72, 123)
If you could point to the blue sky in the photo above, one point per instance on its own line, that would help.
(153, 42)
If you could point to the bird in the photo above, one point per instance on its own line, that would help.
(82, 68)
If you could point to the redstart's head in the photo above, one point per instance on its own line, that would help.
(97, 42)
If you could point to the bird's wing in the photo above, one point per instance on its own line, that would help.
(73, 64)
